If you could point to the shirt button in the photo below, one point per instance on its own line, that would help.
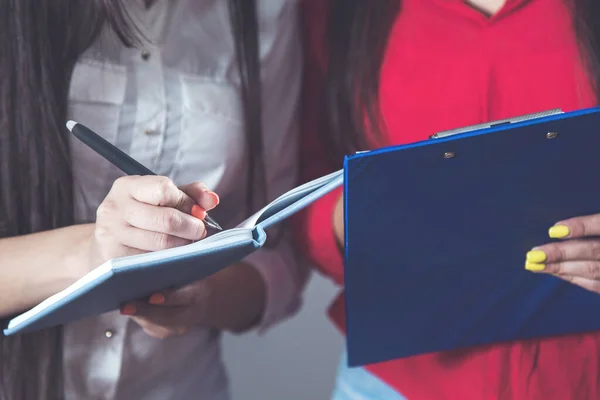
(145, 55)
(149, 131)
(108, 334)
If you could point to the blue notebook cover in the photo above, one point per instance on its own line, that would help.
(437, 233)
(130, 278)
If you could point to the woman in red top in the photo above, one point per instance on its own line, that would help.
(381, 74)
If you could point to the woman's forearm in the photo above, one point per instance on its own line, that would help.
(33, 267)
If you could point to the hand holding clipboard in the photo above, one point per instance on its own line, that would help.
(477, 209)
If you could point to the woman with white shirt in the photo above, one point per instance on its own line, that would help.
(177, 85)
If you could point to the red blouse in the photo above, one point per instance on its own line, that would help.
(448, 66)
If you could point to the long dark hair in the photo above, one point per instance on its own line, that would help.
(355, 41)
(40, 42)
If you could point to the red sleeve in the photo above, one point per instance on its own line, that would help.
(313, 226)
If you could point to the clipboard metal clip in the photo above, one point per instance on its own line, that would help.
(490, 124)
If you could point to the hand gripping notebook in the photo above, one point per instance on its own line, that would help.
(437, 233)
(124, 279)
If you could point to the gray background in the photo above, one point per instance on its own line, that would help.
(296, 360)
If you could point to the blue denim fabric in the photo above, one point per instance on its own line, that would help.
(359, 384)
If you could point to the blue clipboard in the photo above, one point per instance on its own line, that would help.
(437, 233)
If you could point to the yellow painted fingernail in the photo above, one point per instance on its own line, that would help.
(536, 256)
(535, 267)
(559, 231)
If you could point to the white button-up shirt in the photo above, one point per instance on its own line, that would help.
(175, 106)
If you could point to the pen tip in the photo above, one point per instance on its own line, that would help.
(71, 124)
(212, 223)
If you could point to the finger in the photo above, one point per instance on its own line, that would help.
(147, 240)
(569, 250)
(160, 191)
(162, 316)
(195, 294)
(204, 197)
(582, 269)
(111, 248)
(588, 284)
(588, 225)
(159, 331)
(164, 220)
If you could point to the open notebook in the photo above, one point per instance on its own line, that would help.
(124, 279)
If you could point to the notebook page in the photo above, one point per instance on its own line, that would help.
(293, 204)
(288, 198)
(223, 238)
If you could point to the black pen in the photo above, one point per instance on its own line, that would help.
(117, 157)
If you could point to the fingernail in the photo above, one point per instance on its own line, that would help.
(198, 212)
(535, 267)
(214, 197)
(129, 309)
(536, 256)
(559, 231)
(157, 298)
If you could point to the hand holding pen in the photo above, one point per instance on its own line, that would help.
(144, 212)
(118, 158)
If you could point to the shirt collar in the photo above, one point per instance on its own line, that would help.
(463, 7)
